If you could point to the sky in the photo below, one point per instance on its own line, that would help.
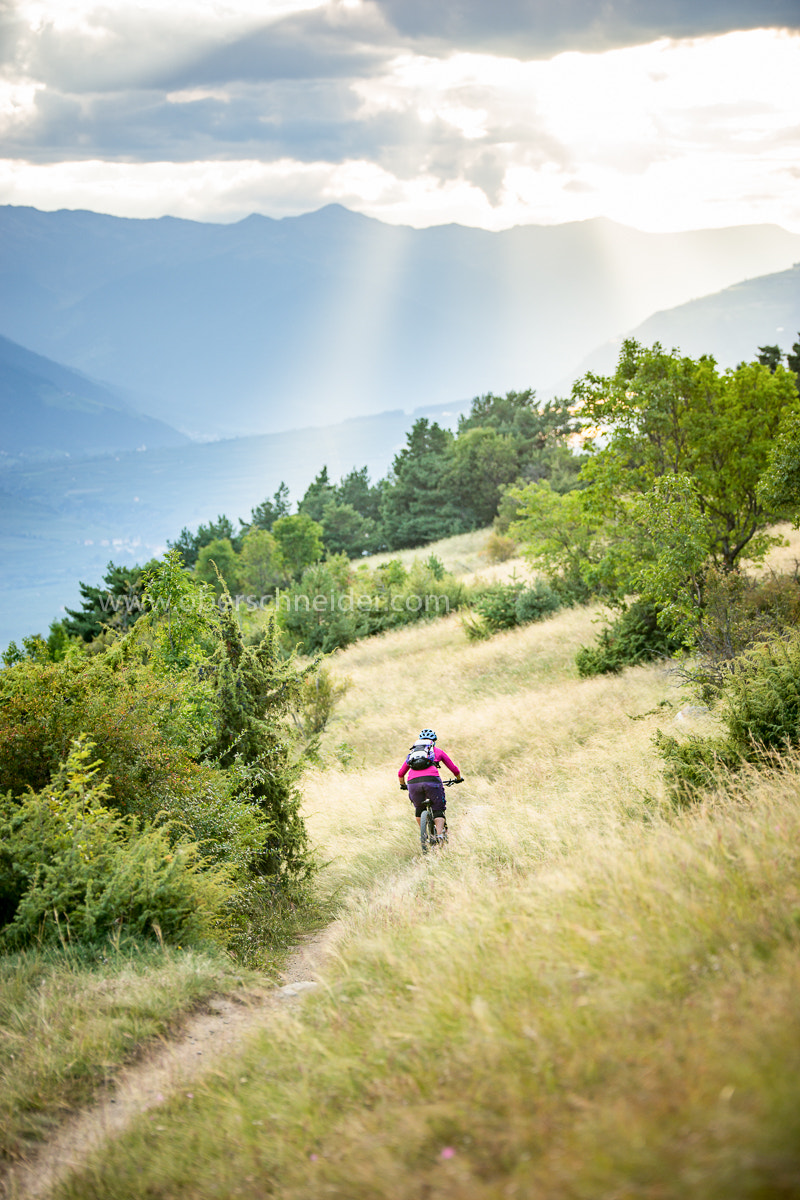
(660, 114)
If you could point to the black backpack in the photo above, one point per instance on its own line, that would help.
(421, 756)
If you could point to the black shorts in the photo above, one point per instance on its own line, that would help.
(429, 787)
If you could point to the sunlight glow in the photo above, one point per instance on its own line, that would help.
(670, 135)
(17, 103)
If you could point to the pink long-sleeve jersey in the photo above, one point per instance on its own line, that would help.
(432, 770)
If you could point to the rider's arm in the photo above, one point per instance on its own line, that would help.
(448, 762)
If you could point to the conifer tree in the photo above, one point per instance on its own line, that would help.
(255, 690)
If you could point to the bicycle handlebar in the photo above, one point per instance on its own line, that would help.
(444, 782)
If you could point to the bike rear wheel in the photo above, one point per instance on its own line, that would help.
(427, 831)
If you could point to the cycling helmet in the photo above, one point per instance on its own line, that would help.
(428, 735)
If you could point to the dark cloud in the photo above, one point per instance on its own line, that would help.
(161, 52)
(540, 28)
(307, 122)
(320, 44)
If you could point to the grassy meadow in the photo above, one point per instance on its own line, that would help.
(69, 1018)
(587, 994)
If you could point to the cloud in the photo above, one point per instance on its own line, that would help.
(118, 48)
(495, 110)
(542, 28)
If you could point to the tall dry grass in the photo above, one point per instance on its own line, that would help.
(460, 554)
(69, 1018)
(586, 995)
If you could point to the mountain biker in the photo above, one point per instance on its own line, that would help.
(425, 783)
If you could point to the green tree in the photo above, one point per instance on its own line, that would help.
(769, 357)
(260, 570)
(219, 555)
(417, 506)
(264, 515)
(257, 689)
(318, 494)
(663, 414)
(346, 531)
(356, 490)
(793, 361)
(673, 577)
(190, 544)
(299, 540)
(695, 444)
(582, 553)
(116, 603)
(540, 432)
(482, 463)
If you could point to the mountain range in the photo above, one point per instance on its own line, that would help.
(262, 325)
(48, 409)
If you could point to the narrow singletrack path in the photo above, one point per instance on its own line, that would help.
(168, 1066)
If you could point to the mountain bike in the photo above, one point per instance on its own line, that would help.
(428, 835)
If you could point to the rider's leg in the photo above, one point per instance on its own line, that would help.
(439, 823)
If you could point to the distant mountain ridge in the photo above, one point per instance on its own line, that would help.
(48, 409)
(222, 330)
(730, 325)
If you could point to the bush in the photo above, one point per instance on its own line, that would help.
(760, 712)
(72, 869)
(634, 637)
(738, 612)
(499, 547)
(334, 605)
(505, 605)
(497, 604)
(536, 602)
(145, 736)
(318, 697)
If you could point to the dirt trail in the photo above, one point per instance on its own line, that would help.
(170, 1065)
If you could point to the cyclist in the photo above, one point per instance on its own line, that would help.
(424, 781)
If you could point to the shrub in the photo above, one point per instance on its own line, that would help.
(634, 637)
(475, 626)
(144, 735)
(73, 869)
(738, 612)
(505, 605)
(333, 605)
(317, 699)
(536, 602)
(497, 604)
(499, 547)
(760, 712)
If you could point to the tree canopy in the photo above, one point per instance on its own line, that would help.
(662, 416)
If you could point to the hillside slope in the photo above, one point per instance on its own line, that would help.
(47, 409)
(587, 994)
(730, 324)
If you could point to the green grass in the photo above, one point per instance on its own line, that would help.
(69, 1018)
